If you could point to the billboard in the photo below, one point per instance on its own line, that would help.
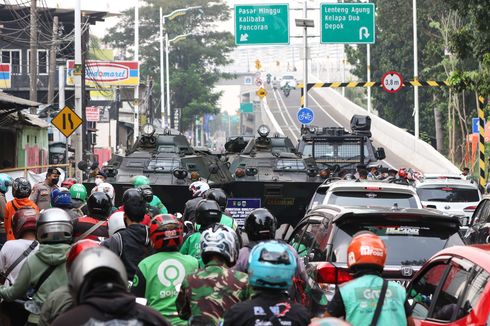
(106, 73)
(5, 75)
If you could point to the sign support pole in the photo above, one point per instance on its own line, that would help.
(369, 78)
(136, 128)
(305, 50)
(415, 71)
(78, 87)
(481, 143)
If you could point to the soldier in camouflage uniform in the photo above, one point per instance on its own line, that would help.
(41, 192)
(208, 293)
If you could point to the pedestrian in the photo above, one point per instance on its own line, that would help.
(5, 182)
(132, 244)
(271, 271)
(208, 293)
(383, 302)
(44, 271)
(98, 284)
(93, 226)
(153, 279)
(13, 256)
(21, 189)
(198, 189)
(41, 192)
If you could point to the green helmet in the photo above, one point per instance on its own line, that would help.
(78, 191)
(140, 180)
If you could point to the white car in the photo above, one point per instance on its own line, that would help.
(288, 79)
(451, 196)
(366, 193)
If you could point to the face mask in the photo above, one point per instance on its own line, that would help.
(98, 181)
(55, 181)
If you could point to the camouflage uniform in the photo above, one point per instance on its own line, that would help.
(41, 194)
(211, 291)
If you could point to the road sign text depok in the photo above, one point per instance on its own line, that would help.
(262, 24)
(351, 23)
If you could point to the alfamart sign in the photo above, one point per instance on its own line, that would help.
(106, 73)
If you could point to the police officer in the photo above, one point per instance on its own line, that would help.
(271, 271)
(366, 256)
(41, 192)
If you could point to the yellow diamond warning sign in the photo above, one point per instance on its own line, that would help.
(67, 121)
(261, 92)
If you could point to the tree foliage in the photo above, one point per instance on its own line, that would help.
(194, 61)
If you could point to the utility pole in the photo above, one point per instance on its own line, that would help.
(33, 55)
(61, 100)
(78, 86)
(52, 61)
(87, 134)
(415, 71)
(136, 125)
(163, 114)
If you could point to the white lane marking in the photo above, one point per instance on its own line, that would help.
(282, 114)
(271, 117)
(288, 115)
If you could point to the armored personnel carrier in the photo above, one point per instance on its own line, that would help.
(335, 149)
(269, 169)
(170, 163)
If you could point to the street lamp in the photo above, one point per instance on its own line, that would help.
(305, 23)
(163, 18)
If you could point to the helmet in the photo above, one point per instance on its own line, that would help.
(61, 197)
(140, 180)
(198, 188)
(24, 219)
(54, 226)
(77, 248)
(220, 240)
(218, 195)
(166, 232)
(115, 222)
(134, 204)
(147, 192)
(366, 248)
(78, 191)
(271, 264)
(99, 205)
(21, 188)
(260, 224)
(5, 182)
(207, 212)
(69, 182)
(95, 264)
(106, 188)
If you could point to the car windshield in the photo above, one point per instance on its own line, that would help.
(423, 241)
(335, 151)
(285, 164)
(364, 198)
(448, 194)
(287, 77)
(162, 165)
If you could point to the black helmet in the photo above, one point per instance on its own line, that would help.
(146, 192)
(21, 188)
(218, 195)
(134, 204)
(99, 205)
(260, 224)
(207, 212)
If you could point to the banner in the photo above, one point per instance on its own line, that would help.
(5, 75)
(106, 73)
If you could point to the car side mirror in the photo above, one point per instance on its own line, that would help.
(380, 153)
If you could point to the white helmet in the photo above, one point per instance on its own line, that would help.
(116, 223)
(107, 188)
(198, 188)
(220, 240)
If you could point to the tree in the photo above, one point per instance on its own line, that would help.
(194, 62)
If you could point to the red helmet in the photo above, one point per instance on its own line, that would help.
(166, 232)
(366, 248)
(77, 248)
(24, 219)
(68, 182)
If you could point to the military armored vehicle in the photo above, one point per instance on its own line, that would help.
(335, 149)
(170, 163)
(269, 169)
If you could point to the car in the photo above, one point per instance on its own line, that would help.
(479, 225)
(323, 236)
(452, 288)
(288, 80)
(458, 197)
(365, 193)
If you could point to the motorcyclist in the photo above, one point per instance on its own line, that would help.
(21, 189)
(208, 293)
(60, 300)
(207, 213)
(366, 259)
(43, 272)
(142, 180)
(149, 198)
(68, 183)
(108, 189)
(198, 189)
(94, 225)
(115, 222)
(79, 199)
(166, 234)
(41, 192)
(6, 181)
(98, 284)
(271, 271)
(219, 196)
(61, 198)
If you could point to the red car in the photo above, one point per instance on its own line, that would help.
(452, 288)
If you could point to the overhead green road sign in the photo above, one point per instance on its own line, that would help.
(262, 24)
(351, 23)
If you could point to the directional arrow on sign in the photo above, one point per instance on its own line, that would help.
(363, 31)
(261, 92)
(243, 37)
